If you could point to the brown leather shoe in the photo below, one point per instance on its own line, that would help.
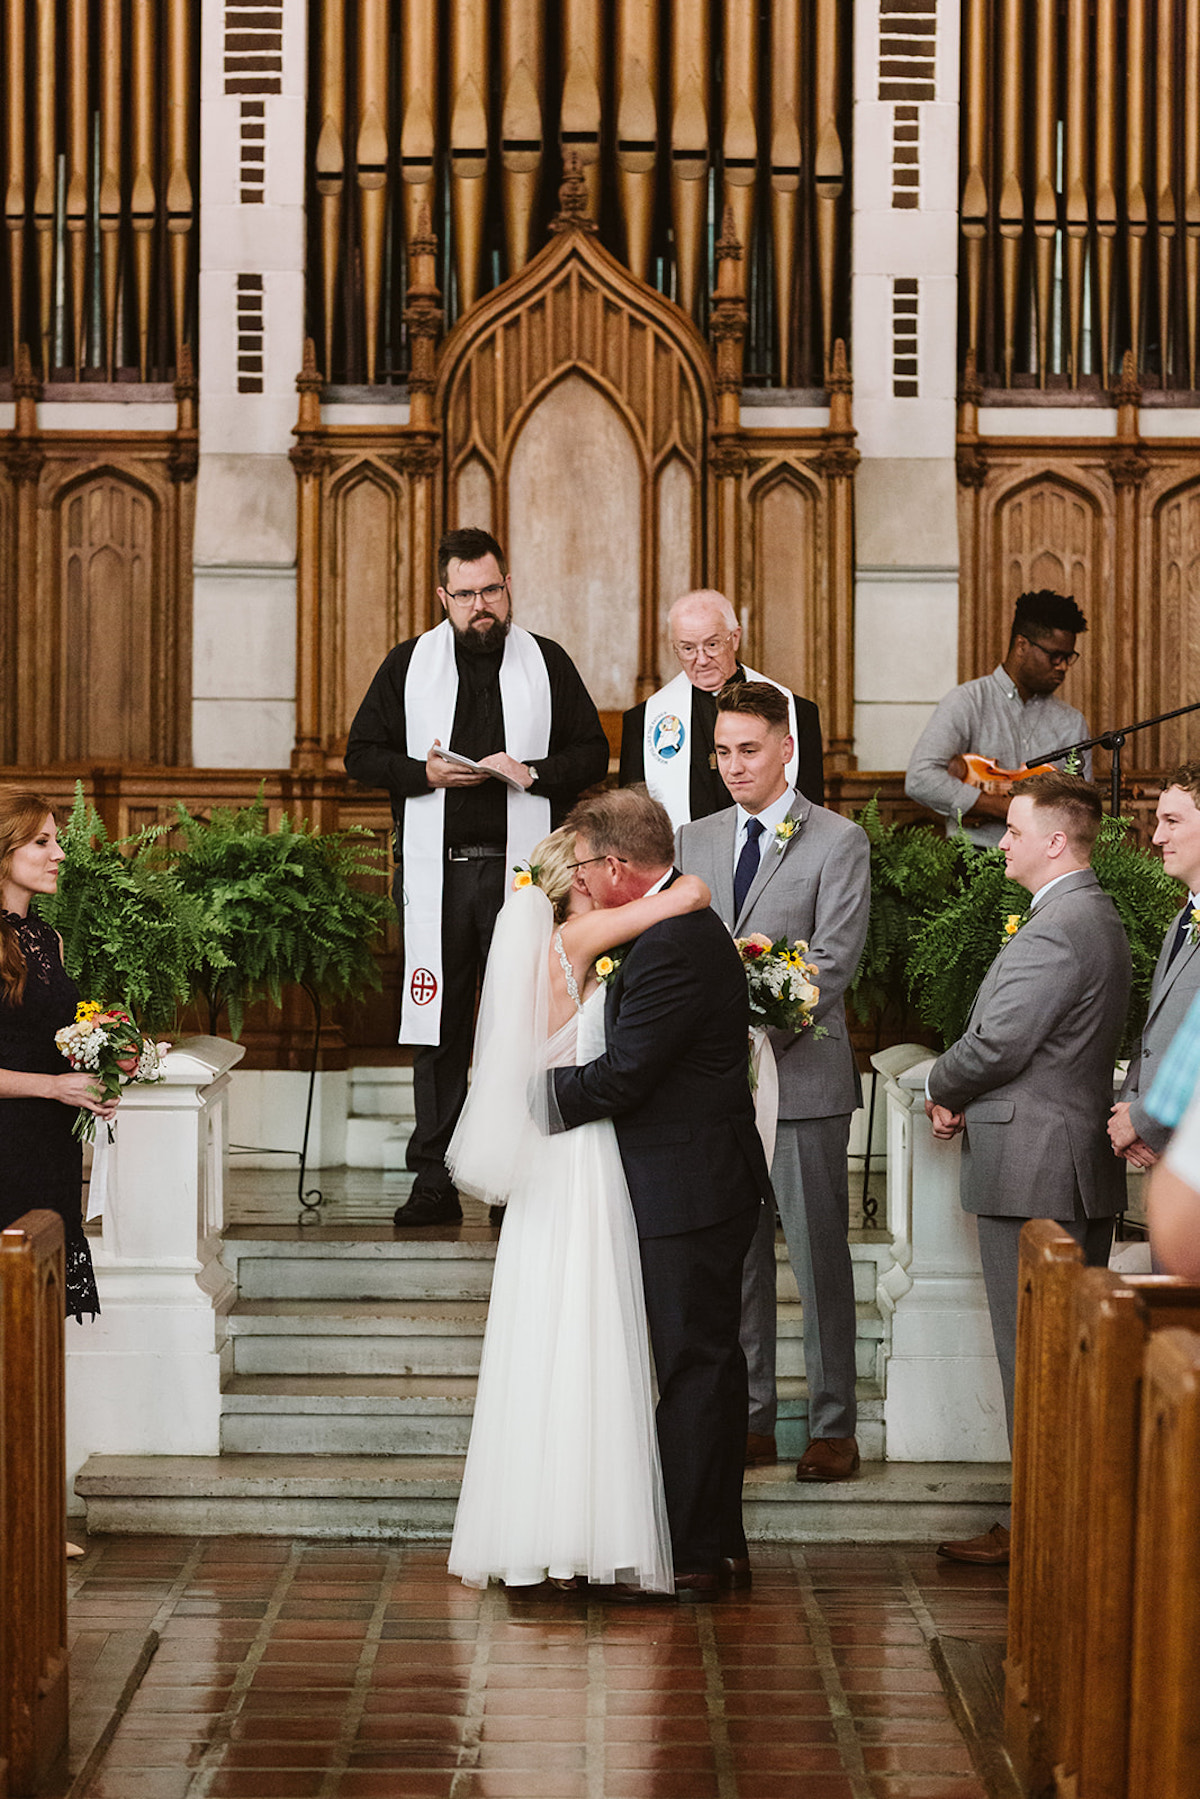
(760, 1450)
(694, 1589)
(829, 1458)
(988, 1551)
(735, 1571)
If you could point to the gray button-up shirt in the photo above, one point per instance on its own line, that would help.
(989, 718)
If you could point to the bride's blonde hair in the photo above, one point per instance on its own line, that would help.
(554, 861)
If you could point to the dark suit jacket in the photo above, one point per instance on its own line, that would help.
(673, 1078)
(708, 791)
(1175, 985)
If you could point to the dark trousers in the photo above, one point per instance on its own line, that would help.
(472, 895)
(693, 1285)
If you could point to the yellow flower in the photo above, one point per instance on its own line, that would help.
(87, 1008)
(604, 967)
(1012, 924)
(523, 879)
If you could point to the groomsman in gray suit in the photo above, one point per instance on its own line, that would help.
(1029, 1082)
(1134, 1132)
(780, 865)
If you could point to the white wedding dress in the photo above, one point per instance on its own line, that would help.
(562, 1474)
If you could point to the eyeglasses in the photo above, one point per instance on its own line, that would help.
(588, 859)
(688, 652)
(1056, 658)
(489, 595)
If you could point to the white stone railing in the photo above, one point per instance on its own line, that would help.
(145, 1377)
(943, 1400)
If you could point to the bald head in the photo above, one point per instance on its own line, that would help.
(705, 634)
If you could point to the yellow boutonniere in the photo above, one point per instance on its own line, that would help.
(1012, 925)
(1194, 925)
(785, 830)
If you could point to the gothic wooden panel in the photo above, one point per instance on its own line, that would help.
(8, 625)
(677, 545)
(108, 556)
(785, 540)
(1175, 646)
(369, 580)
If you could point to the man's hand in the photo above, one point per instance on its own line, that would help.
(946, 1124)
(505, 765)
(1121, 1130)
(440, 773)
(991, 805)
(1140, 1155)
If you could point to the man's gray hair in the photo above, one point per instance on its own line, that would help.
(710, 597)
(625, 822)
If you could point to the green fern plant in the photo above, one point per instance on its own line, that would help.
(283, 905)
(130, 934)
(914, 871)
(1147, 899)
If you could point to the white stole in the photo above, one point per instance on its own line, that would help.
(667, 743)
(430, 698)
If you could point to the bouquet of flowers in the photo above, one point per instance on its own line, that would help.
(783, 988)
(105, 1042)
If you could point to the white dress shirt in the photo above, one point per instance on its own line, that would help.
(768, 818)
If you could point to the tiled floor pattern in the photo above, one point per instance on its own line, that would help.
(357, 1671)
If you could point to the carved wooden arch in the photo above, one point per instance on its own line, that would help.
(788, 623)
(574, 314)
(367, 577)
(1170, 646)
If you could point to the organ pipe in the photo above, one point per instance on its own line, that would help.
(44, 193)
(1191, 174)
(1076, 168)
(418, 99)
(77, 169)
(331, 156)
(1045, 195)
(830, 166)
(1012, 199)
(179, 188)
(1136, 210)
(522, 63)
(15, 197)
(785, 169)
(1165, 202)
(371, 156)
(1106, 172)
(111, 113)
(637, 125)
(974, 195)
(691, 41)
(583, 62)
(739, 136)
(468, 140)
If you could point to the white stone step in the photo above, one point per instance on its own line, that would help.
(414, 1497)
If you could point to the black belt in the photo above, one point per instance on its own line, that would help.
(474, 852)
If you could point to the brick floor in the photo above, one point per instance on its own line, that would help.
(350, 1670)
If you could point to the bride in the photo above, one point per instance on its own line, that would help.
(562, 1480)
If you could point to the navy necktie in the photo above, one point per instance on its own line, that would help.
(747, 866)
(1181, 931)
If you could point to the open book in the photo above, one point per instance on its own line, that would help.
(466, 762)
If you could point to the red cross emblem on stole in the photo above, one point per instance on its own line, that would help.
(422, 987)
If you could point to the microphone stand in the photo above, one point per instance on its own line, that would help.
(1113, 741)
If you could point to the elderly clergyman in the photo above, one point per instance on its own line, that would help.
(668, 741)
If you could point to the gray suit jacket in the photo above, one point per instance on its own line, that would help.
(818, 888)
(1033, 1069)
(1171, 993)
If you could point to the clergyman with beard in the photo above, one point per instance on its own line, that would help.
(483, 689)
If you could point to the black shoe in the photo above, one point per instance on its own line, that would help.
(496, 1215)
(429, 1206)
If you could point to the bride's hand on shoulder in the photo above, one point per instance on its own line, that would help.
(688, 894)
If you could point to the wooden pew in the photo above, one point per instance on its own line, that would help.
(1086, 1716)
(33, 1595)
(1164, 1736)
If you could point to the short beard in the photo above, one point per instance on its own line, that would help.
(483, 643)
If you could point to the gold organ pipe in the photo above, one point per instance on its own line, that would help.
(739, 136)
(77, 169)
(523, 83)
(1045, 198)
(418, 98)
(1106, 171)
(691, 55)
(1012, 200)
(143, 200)
(110, 172)
(331, 155)
(1165, 132)
(583, 79)
(785, 167)
(829, 160)
(637, 125)
(44, 193)
(1076, 173)
(468, 140)
(1191, 174)
(179, 188)
(1136, 211)
(974, 194)
(15, 197)
(372, 158)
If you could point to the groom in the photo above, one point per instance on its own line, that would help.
(673, 1079)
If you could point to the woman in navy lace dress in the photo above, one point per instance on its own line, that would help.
(41, 1162)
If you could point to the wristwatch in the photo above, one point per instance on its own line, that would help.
(533, 773)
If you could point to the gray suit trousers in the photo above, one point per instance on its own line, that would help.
(1000, 1253)
(812, 1188)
